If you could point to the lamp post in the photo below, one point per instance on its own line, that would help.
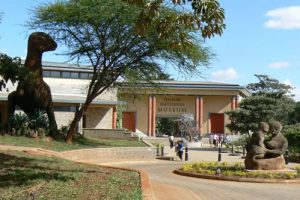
(219, 155)
(186, 158)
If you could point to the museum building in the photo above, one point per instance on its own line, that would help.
(140, 110)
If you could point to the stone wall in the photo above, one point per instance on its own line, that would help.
(107, 133)
(99, 117)
(117, 153)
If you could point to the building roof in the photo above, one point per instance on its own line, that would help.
(81, 99)
(75, 99)
(199, 85)
(66, 67)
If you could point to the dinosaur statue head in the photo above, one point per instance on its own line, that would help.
(41, 42)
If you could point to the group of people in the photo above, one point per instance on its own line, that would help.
(217, 140)
(179, 146)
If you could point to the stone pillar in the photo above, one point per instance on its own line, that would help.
(197, 112)
(150, 116)
(236, 102)
(153, 116)
(200, 114)
(233, 103)
(114, 118)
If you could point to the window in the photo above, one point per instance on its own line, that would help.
(55, 74)
(65, 108)
(46, 73)
(66, 74)
(74, 75)
(84, 75)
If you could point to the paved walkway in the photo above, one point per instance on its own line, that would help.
(165, 185)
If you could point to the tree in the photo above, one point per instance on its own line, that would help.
(11, 69)
(207, 16)
(107, 36)
(270, 100)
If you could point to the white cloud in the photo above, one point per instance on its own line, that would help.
(278, 65)
(225, 75)
(295, 91)
(284, 18)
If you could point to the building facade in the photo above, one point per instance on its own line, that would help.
(140, 110)
(68, 85)
(206, 102)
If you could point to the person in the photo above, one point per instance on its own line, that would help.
(215, 138)
(171, 140)
(180, 149)
(221, 140)
(211, 138)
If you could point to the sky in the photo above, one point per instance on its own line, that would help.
(261, 37)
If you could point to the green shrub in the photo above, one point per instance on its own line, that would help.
(292, 134)
(27, 124)
(234, 170)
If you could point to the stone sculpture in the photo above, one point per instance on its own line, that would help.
(32, 92)
(266, 154)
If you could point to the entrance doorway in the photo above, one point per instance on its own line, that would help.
(217, 123)
(129, 121)
(166, 126)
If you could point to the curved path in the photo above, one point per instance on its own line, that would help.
(167, 185)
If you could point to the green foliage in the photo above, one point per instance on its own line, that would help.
(38, 119)
(18, 121)
(166, 126)
(294, 117)
(233, 170)
(207, 18)
(10, 69)
(292, 134)
(270, 101)
(23, 123)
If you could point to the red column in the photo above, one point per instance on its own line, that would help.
(114, 121)
(236, 103)
(233, 103)
(200, 113)
(197, 112)
(150, 116)
(153, 116)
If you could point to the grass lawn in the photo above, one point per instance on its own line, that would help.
(23, 176)
(80, 143)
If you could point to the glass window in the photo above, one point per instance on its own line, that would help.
(55, 74)
(46, 73)
(66, 74)
(65, 108)
(74, 74)
(84, 75)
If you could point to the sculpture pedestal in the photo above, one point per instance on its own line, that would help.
(277, 163)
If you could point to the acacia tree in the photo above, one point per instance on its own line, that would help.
(270, 100)
(128, 39)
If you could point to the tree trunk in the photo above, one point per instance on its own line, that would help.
(72, 130)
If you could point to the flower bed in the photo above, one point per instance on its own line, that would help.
(236, 170)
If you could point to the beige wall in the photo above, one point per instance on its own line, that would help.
(99, 117)
(215, 104)
(174, 106)
(138, 104)
(63, 118)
